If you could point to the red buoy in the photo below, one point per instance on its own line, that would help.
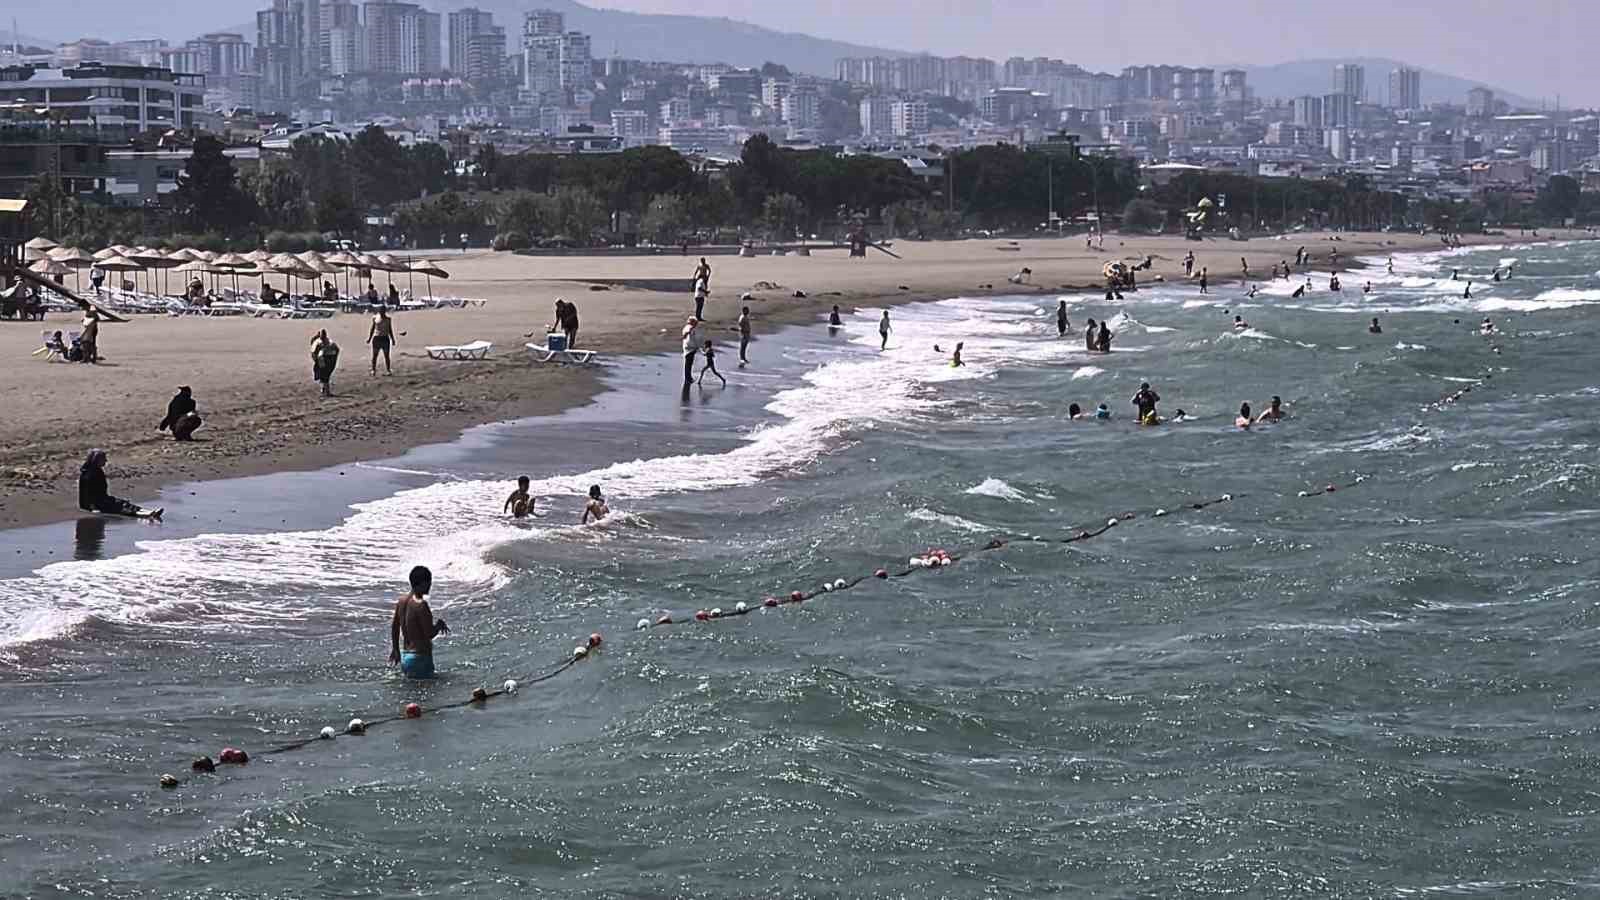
(234, 756)
(413, 711)
(881, 573)
(595, 640)
(796, 597)
(701, 615)
(770, 601)
(1332, 488)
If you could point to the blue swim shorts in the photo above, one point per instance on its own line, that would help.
(416, 665)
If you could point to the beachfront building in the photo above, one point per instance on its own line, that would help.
(107, 98)
(908, 118)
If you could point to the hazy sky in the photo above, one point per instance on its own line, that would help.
(1535, 47)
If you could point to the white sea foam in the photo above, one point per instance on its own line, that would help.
(1087, 372)
(994, 487)
(927, 515)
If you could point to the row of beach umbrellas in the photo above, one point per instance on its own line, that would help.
(48, 258)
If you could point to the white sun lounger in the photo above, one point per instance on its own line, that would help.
(474, 350)
(543, 354)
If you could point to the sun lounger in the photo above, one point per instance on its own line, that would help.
(51, 353)
(544, 354)
(474, 350)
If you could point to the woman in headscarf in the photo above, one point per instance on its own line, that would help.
(94, 494)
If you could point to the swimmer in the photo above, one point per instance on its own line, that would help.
(1146, 401)
(1374, 328)
(1105, 338)
(883, 330)
(1335, 285)
(1091, 337)
(1391, 265)
(1074, 412)
(1366, 288)
(1061, 319)
(596, 507)
(1487, 327)
(1243, 420)
(1274, 411)
(833, 318)
(1239, 324)
(1467, 294)
(519, 504)
(1180, 416)
(1252, 291)
(1102, 411)
(1299, 292)
(415, 627)
(955, 358)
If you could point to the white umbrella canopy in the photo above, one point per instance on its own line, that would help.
(258, 256)
(49, 266)
(41, 243)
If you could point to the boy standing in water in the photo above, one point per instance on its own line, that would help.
(596, 507)
(1061, 319)
(415, 627)
(711, 365)
(883, 331)
(520, 503)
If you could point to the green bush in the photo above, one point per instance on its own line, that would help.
(511, 240)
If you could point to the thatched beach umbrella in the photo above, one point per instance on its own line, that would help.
(109, 252)
(75, 258)
(117, 264)
(430, 270)
(38, 248)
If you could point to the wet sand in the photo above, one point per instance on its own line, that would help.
(251, 377)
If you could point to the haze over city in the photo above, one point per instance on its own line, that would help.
(1538, 48)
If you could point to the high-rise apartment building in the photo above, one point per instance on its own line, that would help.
(402, 38)
(1308, 112)
(556, 62)
(1405, 89)
(464, 25)
(877, 116)
(280, 46)
(1338, 111)
(1480, 102)
(908, 118)
(1350, 78)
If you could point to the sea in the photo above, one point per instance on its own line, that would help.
(1386, 689)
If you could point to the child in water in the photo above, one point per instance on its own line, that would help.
(711, 365)
(596, 507)
(1242, 422)
(955, 358)
(520, 504)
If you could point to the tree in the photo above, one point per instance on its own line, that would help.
(208, 196)
(380, 171)
(666, 220)
(1560, 198)
(1142, 215)
(45, 198)
(522, 212)
(782, 214)
(576, 211)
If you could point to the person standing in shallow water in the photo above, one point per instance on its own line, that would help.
(883, 331)
(744, 336)
(596, 509)
(413, 628)
(1061, 319)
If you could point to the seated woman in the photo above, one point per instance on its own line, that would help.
(94, 494)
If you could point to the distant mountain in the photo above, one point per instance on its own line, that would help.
(677, 38)
(1315, 76)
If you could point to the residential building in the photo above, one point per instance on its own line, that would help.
(1480, 102)
(465, 24)
(693, 138)
(800, 108)
(108, 98)
(402, 38)
(736, 84)
(773, 90)
(1308, 112)
(1009, 105)
(280, 50)
(1405, 89)
(1350, 78)
(676, 111)
(877, 116)
(633, 126)
(557, 62)
(1338, 111)
(908, 118)
(485, 56)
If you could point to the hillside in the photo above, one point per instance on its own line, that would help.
(1315, 76)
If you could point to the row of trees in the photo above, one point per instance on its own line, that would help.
(328, 186)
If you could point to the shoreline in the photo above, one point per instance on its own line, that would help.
(263, 416)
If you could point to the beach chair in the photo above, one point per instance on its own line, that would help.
(543, 354)
(461, 352)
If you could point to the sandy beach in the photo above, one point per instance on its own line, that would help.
(252, 380)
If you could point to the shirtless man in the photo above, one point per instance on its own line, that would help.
(414, 627)
(381, 337)
(520, 503)
(1274, 411)
(596, 507)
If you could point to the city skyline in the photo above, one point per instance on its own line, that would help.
(980, 28)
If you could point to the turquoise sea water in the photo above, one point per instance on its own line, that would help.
(1383, 691)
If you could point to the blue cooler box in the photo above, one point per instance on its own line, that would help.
(555, 342)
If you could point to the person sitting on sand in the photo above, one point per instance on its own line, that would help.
(414, 627)
(596, 508)
(372, 295)
(1274, 411)
(1024, 276)
(94, 494)
(520, 503)
(181, 417)
(1243, 420)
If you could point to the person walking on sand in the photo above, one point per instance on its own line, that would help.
(381, 337)
(711, 364)
(883, 331)
(1061, 319)
(324, 359)
(700, 298)
(744, 336)
(702, 273)
(414, 628)
(691, 348)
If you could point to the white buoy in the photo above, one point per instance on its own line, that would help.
(1302, 493)
(580, 652)
(356, 726)
(327, 733)
(1111, 522)
(1227, 497)
(740, 607)
(511, 686)
(716, 612)
(839, 585)
(1160, 512)
(641, 625)
(827, 586)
